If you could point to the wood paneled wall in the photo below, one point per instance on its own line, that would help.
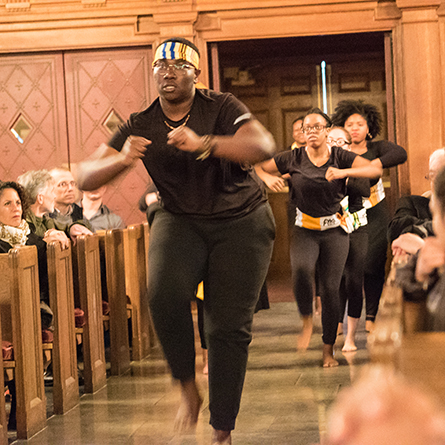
(417, 26)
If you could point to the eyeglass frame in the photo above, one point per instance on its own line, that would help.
(345, 142)
(163, 70)
(308, 128)
(66, 184)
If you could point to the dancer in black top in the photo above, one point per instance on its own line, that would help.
(214, 225)
(318, 174)
(364, 123)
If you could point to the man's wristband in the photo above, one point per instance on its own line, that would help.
(206, 148)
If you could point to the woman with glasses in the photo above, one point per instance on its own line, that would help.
(351, 288)
(318, 175)
(364, 122)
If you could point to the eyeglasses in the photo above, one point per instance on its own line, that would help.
(316, 128)
(66, 184)
(178, 67)
(337, 142)
(431, 175)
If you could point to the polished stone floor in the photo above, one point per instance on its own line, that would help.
(286, 396)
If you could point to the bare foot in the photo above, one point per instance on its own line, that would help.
(221, 437)
(349, 346)
(189, 407)
(304, 338)
(328, 357)
(369, 326)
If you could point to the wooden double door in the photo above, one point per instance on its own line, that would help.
(57, 108)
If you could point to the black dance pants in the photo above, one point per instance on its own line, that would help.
(232, 257)
(329, 248)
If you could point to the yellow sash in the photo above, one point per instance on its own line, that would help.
(321, 223)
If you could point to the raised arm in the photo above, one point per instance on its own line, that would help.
(107, 163)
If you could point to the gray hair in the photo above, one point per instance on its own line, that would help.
(35, 182)
(437, 159)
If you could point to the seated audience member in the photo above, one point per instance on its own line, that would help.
(14, 232)
(97, 213)
(412, 221)
(422, 277)
(39, 187)
(66, 211)
(382, 408)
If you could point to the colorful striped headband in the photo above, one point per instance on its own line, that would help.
(177, 50)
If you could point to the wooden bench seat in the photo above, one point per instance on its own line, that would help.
(64, 356)
(3, 423)
(136, 245)
(20, 320)
(112, 246)
(86, 271)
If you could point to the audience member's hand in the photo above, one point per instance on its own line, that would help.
(134, 148)
(431, 257)
(78, 230)
(185, 139)
(407, 243)
(57, 235)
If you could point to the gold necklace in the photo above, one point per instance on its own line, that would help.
(182, 125)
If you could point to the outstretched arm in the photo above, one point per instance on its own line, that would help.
(106, 163)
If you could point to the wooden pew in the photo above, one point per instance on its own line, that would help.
(86, 270)
(399, 343)
(64, 357)
(112, 242)
(136, 283)
(3, 423)
(20, 298)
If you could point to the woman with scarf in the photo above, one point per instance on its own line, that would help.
(14, 232)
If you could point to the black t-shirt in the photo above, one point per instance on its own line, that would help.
(213, 188)
(311, 192)
(390, 154)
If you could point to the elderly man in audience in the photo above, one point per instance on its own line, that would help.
(412, 221)
(39, 186)
(422, 278)
(66, 211)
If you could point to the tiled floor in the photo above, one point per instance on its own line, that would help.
(285, 401)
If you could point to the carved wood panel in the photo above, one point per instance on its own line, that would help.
(32, 114)
(103, 88)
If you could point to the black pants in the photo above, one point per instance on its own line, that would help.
(330, 249)
(378, 219)
(351, 289)
(232, 257)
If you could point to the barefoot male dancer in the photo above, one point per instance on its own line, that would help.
(215, 224)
